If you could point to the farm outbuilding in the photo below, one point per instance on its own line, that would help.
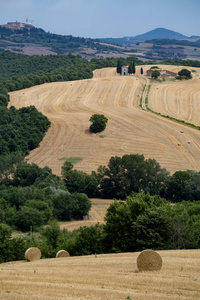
(124, 70)
(163, 73)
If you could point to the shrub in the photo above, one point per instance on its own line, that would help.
(98, 123)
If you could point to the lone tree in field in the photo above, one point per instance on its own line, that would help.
(141, 71)
(155, 74)
(98, 123)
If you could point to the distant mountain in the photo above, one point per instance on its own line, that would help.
(158, 33)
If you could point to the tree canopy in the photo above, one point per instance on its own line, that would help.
(98, 123)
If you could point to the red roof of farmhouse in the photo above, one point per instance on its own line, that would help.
(162, 70)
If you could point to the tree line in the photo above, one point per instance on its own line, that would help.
(140, 222)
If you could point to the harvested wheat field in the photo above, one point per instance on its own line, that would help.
(103, 277)
(180, 99)
(96, 215)
(130, 130)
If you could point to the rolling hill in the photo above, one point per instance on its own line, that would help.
(158, 33)
(27, 39)
(69, 106)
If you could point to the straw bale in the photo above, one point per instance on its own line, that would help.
(62, 253)
(149, 260)
(32, 253)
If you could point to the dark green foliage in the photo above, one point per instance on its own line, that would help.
(11, 249)
(26, 174)
(131, 173)
(141, 71)
(89, 240)
(27, 217)
(184, 74)
(119, 66)
(131, 68)
(40, 69)
(52, 233)
(124, 230)
(81, 182)
(98, 123)
(173, 188)
(42, 207)
(155, 74)
(67, 207)
(153, 229)
(21, 130)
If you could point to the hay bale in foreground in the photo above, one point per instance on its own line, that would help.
(62, 253)
(32, 253)
(149, 260)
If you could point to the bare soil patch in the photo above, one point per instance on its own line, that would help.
(101, 277)
(69, 106)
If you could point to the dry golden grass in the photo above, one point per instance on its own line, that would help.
(32, 253)
(96, 215)
(102, 277)
(69, 105)
(180, 99)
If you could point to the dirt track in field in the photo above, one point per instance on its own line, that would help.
(69, 106)
(102, 277)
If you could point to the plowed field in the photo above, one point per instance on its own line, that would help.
(102, 277)
(69, 106)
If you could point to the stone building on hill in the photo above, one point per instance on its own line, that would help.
(17, 25)
(163, 73)
(124, 70)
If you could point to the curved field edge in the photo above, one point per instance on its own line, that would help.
(69, 106)
(105, 276)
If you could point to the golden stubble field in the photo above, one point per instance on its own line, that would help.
(180, 99)
(102, 277)
(130, 130)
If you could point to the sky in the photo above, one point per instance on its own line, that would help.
(104, 18)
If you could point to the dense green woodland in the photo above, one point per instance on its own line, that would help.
(33, 196)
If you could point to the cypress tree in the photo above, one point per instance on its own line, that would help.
(133, 68)
(119, 66)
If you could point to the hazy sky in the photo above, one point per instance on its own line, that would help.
(105, 18)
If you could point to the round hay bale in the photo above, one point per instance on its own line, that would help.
(149, 260)
(32, 253)
(62, 253)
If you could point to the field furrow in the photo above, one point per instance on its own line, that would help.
(180, 99)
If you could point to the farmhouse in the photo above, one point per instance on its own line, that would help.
(163, 73)
(124, 70)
